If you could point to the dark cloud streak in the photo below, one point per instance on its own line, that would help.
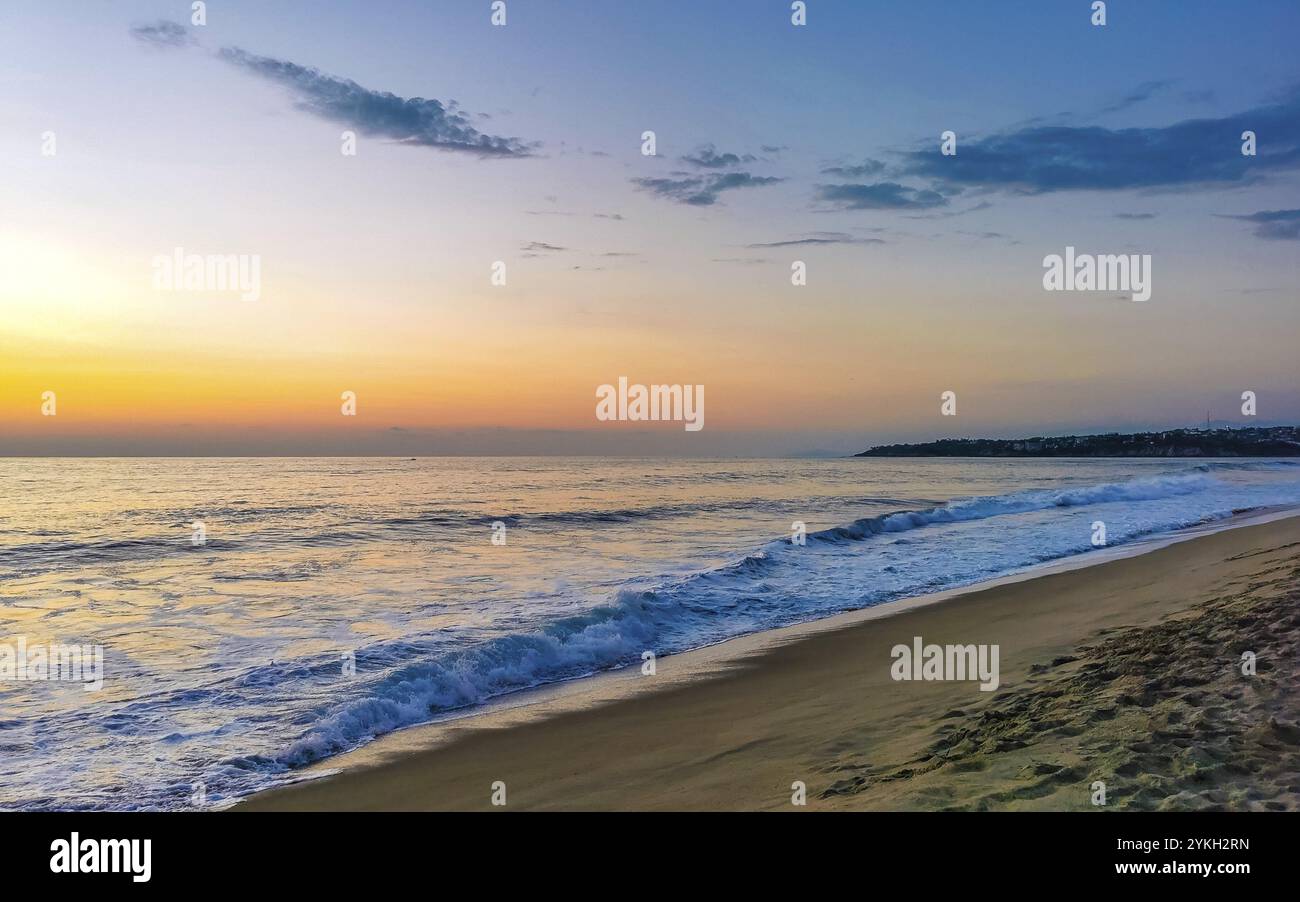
(1142, 92)
(707, 157)
(866, 169)
(407, 120)
(1038, 159)
(701, 191)
(1274, 225)
(163, 34)
(819, 238)
(880, 196)
(414, 120)
(1044, 159)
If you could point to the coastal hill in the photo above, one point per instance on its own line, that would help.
(1272, 441)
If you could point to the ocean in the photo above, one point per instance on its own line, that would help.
(258, 615)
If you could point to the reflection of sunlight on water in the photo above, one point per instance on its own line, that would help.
(233, 648)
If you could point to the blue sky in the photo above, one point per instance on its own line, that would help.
(775, 143)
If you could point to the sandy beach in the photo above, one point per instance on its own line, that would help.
(1128, 672)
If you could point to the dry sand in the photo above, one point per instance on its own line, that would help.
(1128, 672)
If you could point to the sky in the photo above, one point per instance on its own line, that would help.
(127, 131)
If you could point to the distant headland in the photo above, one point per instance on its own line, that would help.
(1271, 441)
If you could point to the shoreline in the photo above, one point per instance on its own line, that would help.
(560, 720)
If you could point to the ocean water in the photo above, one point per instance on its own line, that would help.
(224, 661)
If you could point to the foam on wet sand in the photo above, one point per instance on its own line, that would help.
(1127, 672)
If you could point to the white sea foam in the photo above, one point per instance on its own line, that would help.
(391, 561)
(709, 606)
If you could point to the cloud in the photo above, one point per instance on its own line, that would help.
(616, 217)
(1044, 159)
(1041, 158)
(701, 191)
(949, 214)
(407, 120)
(1274, 225)
(163, 34)
(880, 196)
(1135, 216)
(817, 238)
(707, 157)
(1144, 91)
(863, 170)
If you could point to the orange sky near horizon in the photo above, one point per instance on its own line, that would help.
(127, 360)
(375, 268)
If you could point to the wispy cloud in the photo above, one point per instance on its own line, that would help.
(949, 214)
(988, 236)
(707, 157)
(880, 196)
(163, 34)
(817, 238)
(701, 191)
(863, 170)
(1274, 225)
(407, 120)
(1043, 159)
(616, 217)
(1145, 91)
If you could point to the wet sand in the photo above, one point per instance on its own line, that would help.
(1127, 672)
